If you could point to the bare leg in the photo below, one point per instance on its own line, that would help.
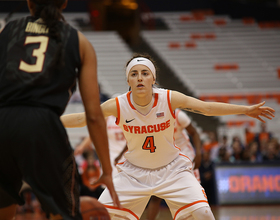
(203, 213)
(153, 208)
(8, 213)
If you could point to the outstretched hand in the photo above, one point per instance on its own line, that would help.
(257, 111)
(107, 180)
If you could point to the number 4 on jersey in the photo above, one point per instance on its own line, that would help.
(149, 144)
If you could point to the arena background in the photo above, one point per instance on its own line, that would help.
(221, 50)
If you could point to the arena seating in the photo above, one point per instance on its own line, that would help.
(222, 59)
(216, 57)
(112, 54)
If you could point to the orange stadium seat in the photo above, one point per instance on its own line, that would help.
(253, 99)
(186, 18)
(277, 97)
(190, 44)
(248, 20)
(220, 22)
(240, 123)
(199, 17)
(196, 36)
(174, 45)
(268, 96)
(237, 97)
(269, 24)
(210, 36)
(199, 36)
(226, 66)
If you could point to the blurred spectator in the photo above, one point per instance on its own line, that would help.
(237, 138)
(224, 143)
(237, 150)
(212, 146)
(272, 153)
(254, 155)
(277, 144)
(249, 136)
(223, 156)
(207, 177)
(263, 137)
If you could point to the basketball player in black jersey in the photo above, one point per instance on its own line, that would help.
(40, 59)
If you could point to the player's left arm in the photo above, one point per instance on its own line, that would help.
(74, 120)
(120, 155)
(179, 100)
(197, 144)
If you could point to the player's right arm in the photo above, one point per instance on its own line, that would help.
(77, 120)
(110, 108)
(89, 89)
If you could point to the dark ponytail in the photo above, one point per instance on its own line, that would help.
(49, 12)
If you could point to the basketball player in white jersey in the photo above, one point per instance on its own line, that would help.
(153, 165)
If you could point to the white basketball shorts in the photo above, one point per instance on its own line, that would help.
(175, 183)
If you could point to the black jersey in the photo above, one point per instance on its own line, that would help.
(27, 76)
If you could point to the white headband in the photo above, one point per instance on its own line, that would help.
(143, 61)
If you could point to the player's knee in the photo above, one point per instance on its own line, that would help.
(203, 213)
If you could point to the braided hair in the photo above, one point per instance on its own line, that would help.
(49, 11)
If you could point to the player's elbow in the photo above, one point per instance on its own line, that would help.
(207, 110)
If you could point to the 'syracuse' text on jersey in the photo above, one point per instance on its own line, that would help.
(149, 137)
(26, 55)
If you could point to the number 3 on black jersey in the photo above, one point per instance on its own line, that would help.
(39, 53)
(149, 144)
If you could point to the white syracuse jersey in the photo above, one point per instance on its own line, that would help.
(181, 136)
(149, 137)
